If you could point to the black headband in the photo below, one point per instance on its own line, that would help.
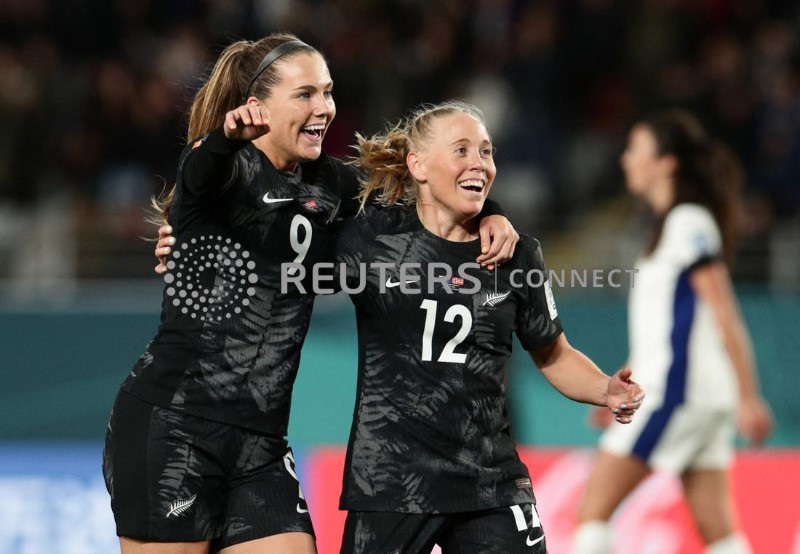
(271, 56)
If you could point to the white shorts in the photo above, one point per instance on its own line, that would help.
(675, 439)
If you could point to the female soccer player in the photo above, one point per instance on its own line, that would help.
(195, 456)
(430, 458)
(689, 346)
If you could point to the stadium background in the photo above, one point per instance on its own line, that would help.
(92, 96)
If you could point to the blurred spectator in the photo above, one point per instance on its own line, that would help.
(90, 92)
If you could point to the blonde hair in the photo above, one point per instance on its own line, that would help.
(382, 157)
(223, 91)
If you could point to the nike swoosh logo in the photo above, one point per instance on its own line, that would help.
(301, 510)
(390, 283)
(529, 542)
(268, 200)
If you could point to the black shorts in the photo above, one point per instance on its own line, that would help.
(177, 478)
(506, 530)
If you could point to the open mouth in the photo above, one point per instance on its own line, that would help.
(314, 131)
(472, 185)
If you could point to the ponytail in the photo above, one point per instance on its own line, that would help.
(708, 173)
(237, 72)
(383, 159)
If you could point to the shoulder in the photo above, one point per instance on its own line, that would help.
(529, 242)
(330, 166)
(528, 251)
(690, 233)
(391, 220)
(690, 222)
(692, 215)
(375, 220)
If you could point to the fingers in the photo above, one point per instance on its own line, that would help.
(232, 119)
(247, 122)
(498, 241)
(625, 410)
(163, 247)
(259, 115)
(514, 241)
(755, 425)
(495, 231)
(498, 251)
(485, 233)
(600, 417)
(625, 374)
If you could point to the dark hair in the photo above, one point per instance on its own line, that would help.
(234, 74)
(707, 171)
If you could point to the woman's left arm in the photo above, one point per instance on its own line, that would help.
(712, 283)
(577, 377)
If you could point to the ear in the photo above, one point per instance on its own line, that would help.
(415, 166)
(669, 164)
(252, 100)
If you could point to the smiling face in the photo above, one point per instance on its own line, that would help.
(454, 165)
(301, 109)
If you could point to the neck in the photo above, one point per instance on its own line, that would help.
(447, 225)
(661, 197)
(278, 161)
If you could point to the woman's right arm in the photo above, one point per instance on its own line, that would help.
(212, 158)
(211, 162)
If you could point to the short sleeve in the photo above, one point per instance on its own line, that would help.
(538, 324)
(690, 237)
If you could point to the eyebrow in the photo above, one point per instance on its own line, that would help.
(484, 141)
(329, 84)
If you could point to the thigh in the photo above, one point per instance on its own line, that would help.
(284, 543)
(264, 498)
(132, 546)
(163, 488)
(390, 532)
(505, 530)
(717, 451)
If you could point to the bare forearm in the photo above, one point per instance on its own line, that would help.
(714, 287)
(573, 374)
(740, 350)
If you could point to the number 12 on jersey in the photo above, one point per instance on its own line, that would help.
(449, 352)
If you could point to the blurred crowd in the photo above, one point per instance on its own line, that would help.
(93, 95)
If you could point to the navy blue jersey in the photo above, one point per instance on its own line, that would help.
(431, 432)
(228, 346)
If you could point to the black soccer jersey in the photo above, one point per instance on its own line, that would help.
(431, 432)
(228, 346)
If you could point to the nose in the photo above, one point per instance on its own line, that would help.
(476, 161)
(323, 106)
